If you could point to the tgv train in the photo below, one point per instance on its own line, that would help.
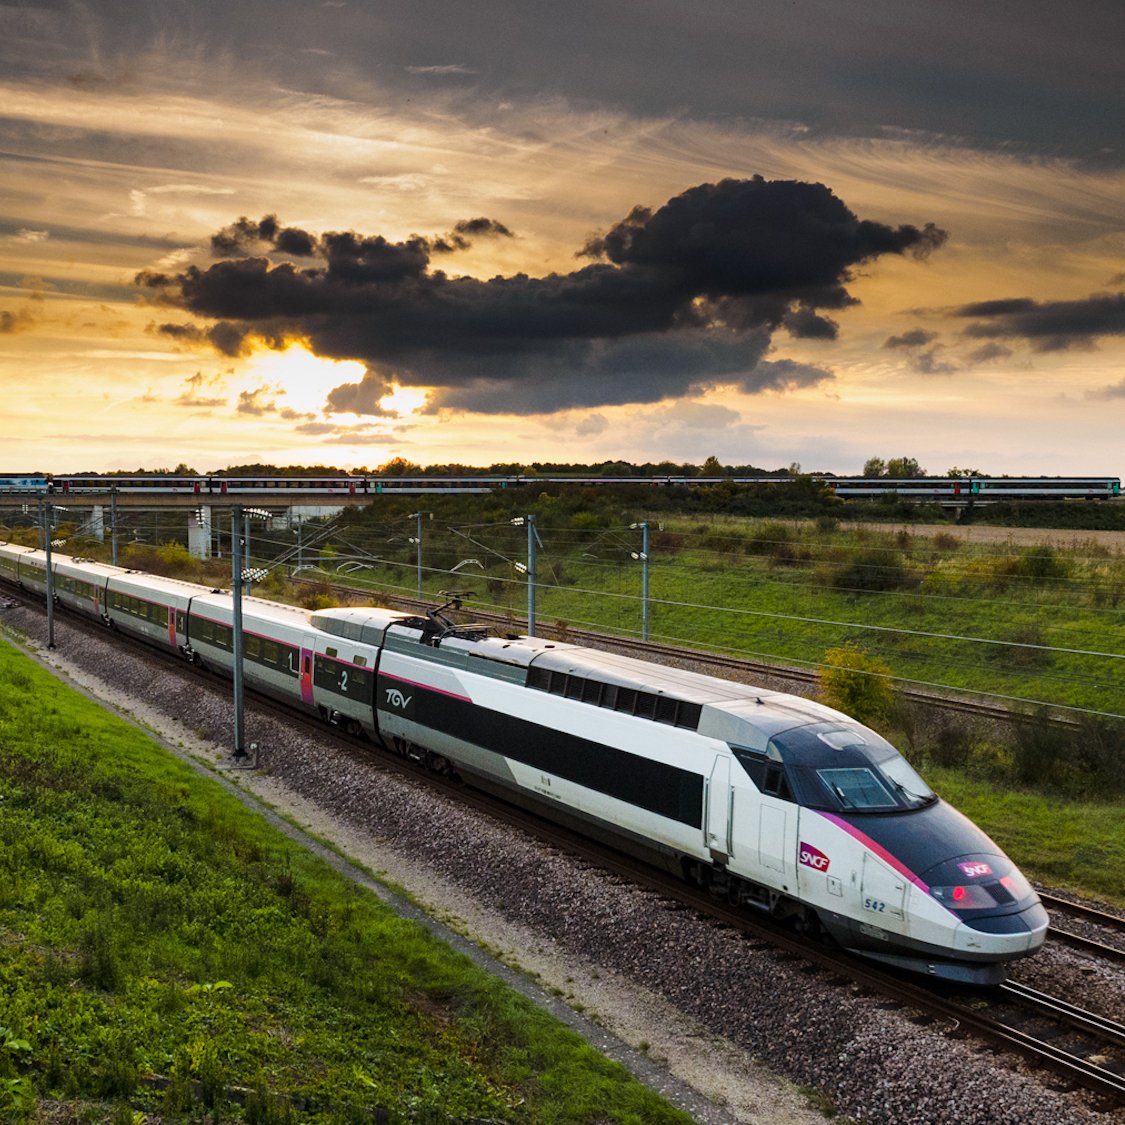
(774, 801)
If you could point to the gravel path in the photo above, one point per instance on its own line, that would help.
(723, 1017)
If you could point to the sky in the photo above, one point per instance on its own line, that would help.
(339, 232)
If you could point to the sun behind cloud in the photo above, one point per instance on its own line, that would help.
(304, 378)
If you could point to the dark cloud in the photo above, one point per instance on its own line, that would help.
(1048, 326)
(13, 322)
(783, 375)
(808, 325)
(247, 237)
(987, 352)
(672, 299)
(190, 332)
(362, 397)
(927, 363)
(915, 338)
(229, 339)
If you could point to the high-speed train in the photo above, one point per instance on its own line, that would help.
(773, 801)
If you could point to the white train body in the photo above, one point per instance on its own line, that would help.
(780, 803)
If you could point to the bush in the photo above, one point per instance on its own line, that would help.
(1040, 749)
(873, 569)
(1036, 564)
(857, 684)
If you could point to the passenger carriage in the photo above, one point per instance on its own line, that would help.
(149, 606)
(80, 584)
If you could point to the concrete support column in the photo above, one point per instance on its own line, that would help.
(199, 532)
(96, 523)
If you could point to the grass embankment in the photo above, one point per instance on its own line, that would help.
(151, 926)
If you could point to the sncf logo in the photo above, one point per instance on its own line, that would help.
(814, 857)
(396, 699)
(975, 869)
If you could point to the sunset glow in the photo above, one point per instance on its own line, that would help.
(410, 241)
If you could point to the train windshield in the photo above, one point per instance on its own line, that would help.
(849, 768)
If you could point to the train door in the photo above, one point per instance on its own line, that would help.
(777, 842)
(306, 676)
(883, 896)
(717, 825)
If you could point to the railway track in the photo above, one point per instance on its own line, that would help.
(1087, 1050)
(1109, 943)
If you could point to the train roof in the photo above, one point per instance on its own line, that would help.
(260, 609)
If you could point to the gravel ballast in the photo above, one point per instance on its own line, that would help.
(718, 1014)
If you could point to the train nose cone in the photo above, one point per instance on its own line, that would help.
(1005, 934)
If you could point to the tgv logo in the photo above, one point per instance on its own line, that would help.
(814, 857)
(396, 699)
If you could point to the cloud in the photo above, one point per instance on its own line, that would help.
(193, 395)
(591, 425)
(447, 68)
(362, 397)
(1115, 390)
(987, 352)
(19, 321)
(669, 301)
(782, 375)
(229, 339)
(257, 402)
(1048, 326)
(924, 362)
(915, 338)
(808, 325)
(712, 416)
(27, 234)
(927, 363)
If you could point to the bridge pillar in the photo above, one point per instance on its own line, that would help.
(199, 532)
(95, 523)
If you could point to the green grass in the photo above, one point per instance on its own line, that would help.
(151, 925)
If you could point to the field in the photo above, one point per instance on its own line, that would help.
(162, 949)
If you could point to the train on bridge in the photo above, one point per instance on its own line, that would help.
(930, 490)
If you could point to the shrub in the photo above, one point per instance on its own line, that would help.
(873, 569)
(1039, 748)
(857, 684)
